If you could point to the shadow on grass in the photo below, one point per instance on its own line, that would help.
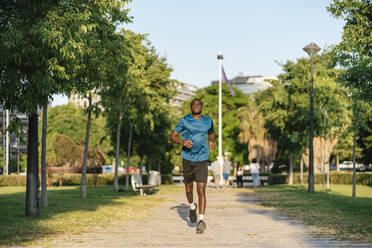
(347, 217)
(16, 229)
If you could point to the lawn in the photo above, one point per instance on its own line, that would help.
(67, 213)
(334, 211)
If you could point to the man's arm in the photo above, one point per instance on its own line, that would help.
(173, 138)
(211, 138)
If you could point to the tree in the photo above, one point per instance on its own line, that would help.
(285, 104)
(31, 71)
(365, 138)
(44, 44)
(354, 52)
(253, 133)
(70, 120)
(140, 96)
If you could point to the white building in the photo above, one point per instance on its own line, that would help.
(184, 92)
(249, 84)
(83, 102)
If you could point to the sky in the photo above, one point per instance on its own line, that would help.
(254, 36)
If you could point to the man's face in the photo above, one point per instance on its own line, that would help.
(196, 107)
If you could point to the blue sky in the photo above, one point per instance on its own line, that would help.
(252, 35)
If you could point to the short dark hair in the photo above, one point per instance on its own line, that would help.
(254, 160)
(196, 99)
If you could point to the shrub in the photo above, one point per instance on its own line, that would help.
(364, 178)
(69, 179)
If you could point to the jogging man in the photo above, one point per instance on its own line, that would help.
(194, 129)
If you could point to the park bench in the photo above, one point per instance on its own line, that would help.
(263, 179)
(136, 180)
(179, 179)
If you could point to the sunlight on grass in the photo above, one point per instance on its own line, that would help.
(334, 211)
(68, 213)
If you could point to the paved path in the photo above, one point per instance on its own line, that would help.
(234, 219)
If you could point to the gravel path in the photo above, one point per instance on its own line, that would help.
(234, 219)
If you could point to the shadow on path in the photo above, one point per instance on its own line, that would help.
(183, 212)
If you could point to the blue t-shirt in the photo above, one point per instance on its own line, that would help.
(195, 130)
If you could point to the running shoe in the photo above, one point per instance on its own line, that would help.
(201, 227)
(193, 216)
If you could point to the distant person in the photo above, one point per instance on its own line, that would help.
(216, 171)
(239, 175)
(226, 170)
(195, 128)
(255, 172)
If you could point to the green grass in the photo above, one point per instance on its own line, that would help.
(334, 211)
(68, 213)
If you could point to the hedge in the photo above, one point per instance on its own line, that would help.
(75, 179)
(363, 178)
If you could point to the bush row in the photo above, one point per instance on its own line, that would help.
(75, 179)
(334, 178)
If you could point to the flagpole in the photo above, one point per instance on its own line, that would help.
(220, 158)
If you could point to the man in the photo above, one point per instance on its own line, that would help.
(255, 172)
(215, 168)
(194, 129)
(226, 171)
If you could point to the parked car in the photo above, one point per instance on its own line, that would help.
(361, 167)
(107, 169)
(346, 165)
(121, 170)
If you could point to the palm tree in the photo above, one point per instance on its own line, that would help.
(253, 132)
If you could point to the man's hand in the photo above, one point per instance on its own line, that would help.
(187, 143)
(212, 145)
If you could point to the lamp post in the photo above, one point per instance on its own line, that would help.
(220, 158)
(311, 49)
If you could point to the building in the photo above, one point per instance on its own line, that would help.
(249, 84)
(15, 144)
(83, 102)
(184, 92)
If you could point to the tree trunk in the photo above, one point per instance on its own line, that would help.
(337, 163)
(129, 147)
(86, 147)
(324, 150)
(328, 174)
(141, 166)
(3, 122)
(302, 171)
(290, 182)
(44, 197)
(149, 166)
(116, 180)
(354, 165)
(32, 187)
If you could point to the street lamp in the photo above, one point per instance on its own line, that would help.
(311, 49)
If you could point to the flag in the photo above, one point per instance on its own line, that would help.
(224, 80)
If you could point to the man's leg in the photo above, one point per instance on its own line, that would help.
(202, 203)
(202, 197)
(189, 195)
(189, 192)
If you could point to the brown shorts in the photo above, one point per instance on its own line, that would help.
(195, 171)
